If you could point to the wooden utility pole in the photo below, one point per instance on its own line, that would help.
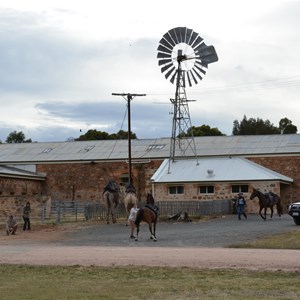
(129, 97)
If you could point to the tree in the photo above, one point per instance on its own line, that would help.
(254, 127)
(286, 126)
(204, 130)
(94, 134)
(17, 137)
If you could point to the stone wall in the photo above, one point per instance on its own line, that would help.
(14, 193)
(86, 181)
(222, 192)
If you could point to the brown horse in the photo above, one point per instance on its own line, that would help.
(148, 215)
(265, 202)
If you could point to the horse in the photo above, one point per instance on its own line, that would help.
(111, 196)
(111, 200)
(149, 216)
(129, 200)
(265, 202)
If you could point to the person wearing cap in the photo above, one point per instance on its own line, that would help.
(240, 206)
(11, 225)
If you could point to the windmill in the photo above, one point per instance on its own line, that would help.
(184, 58)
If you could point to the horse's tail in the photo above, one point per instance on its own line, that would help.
(139, 216)
(279, 206)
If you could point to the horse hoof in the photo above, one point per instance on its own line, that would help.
(154, 240)
(136, 239)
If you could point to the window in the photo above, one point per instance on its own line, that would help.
(243, 188)
(179, 189)
(207, 189)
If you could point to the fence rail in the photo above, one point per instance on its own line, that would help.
(97, 211)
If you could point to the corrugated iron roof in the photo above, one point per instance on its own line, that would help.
(214, 170)
(10, 172)
(147, 148)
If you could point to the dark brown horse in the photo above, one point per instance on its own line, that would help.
(265, 202)
(149, 215)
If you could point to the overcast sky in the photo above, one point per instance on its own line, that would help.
(60, 61)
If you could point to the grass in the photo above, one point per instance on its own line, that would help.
(77, 282)
(290, 240)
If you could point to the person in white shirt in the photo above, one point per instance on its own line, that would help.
(131, 219)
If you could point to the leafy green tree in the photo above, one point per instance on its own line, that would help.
(286, 126)
(94, 134)
(204, 130)
(254, 127)
(17, 137)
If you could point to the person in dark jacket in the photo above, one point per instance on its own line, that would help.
(26, 216)
(240, 206)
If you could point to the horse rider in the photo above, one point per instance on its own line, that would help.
(271, 196)
(130, 188)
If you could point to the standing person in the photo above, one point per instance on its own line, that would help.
(131, 219)
(11, 225)
(26, 216)
(240, 206)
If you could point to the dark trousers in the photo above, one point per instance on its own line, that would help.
(26, 223)
(241, 211)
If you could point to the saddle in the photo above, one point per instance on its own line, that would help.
(154, 208)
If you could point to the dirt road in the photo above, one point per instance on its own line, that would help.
(197, 244)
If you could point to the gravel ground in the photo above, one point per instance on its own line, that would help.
(196, 244)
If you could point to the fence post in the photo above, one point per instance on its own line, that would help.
(76, 207)
(43, 214)
(86, 211)
(58, 214)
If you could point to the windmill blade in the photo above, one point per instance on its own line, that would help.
(173, 35)
(188, 77)
(164, 61)
(166, 67)
(169, 72)
(183, 79)
(188, 36)
(199, 76)
(167, 37)
(193, 76)
(198, 68)
(164, 49)
(198, 40)
(182, 33)
(202, 63)
(173, 77)
(163, 55)
(193, 38)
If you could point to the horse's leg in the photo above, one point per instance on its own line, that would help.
(271, 208)
(264, 218)
(107, 214)
(137, 231)
(154, 231)
(113, 214)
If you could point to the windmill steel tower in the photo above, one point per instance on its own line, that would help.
(184, 57)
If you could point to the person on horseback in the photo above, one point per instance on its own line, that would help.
(130, 188)
(271, 196)
(240, 206)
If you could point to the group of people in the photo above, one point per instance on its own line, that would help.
(12, 225)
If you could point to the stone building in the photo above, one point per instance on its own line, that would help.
(78, 171)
